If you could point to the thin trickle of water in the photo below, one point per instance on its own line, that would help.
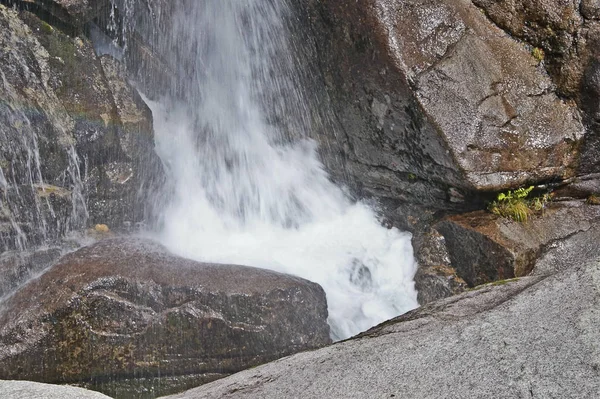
(28, 217)
(246, 183)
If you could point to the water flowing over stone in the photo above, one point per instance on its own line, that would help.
(76, 142)
(33, 129)
(246, 185)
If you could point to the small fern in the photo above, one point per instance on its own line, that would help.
(515, 204)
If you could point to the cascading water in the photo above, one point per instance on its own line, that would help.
(28, 218)
(246, 183)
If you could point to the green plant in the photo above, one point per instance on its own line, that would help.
(516, 205)
(538, 54)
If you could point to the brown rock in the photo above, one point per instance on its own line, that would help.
(485, 248)
(125, 309)
(435, 278)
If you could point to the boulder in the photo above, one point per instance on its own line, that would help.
(36, 390)
(480, 104)
(484, 248)
(436, 106)
(125, 317)
(535, 337)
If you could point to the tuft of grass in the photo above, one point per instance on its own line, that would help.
(517, 206)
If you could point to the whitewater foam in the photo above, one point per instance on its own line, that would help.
(242, 190)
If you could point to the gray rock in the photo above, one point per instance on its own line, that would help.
(535, 337)
(125, 317)
(590, 9)
(36, 390)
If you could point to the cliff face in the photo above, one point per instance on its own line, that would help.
(77, 140)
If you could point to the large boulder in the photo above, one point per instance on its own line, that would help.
(125, 317)
(535, 337)
(437, 104)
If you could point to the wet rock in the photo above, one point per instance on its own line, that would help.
(436, 104)
(36, 142)
(565, 30)
(484, 248)
(436, 107)
(535, 337)
(435, 278)
(16, 267)
(70, 15)
(590, 9)
(77, 139)
(124, 316)
(35, 390)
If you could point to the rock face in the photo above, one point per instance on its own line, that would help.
(35, 390)
(437, 103)
(535, 337)
(125, 317)
(437, 107)
(77, 140)
(568, 32)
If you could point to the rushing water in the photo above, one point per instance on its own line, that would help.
(247, 186)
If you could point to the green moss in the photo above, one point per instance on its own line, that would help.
(495, 283)
(502, 282)
(538, 54)
(47, 28)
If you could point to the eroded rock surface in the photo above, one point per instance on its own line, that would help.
(125, 317)
(535, 337)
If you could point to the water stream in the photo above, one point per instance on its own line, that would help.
(246, 184)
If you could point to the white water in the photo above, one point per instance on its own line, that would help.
(244, 191)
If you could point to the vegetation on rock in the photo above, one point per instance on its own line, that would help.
(516, 204)
(593, 199)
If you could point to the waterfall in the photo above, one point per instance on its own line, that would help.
(246, 184)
